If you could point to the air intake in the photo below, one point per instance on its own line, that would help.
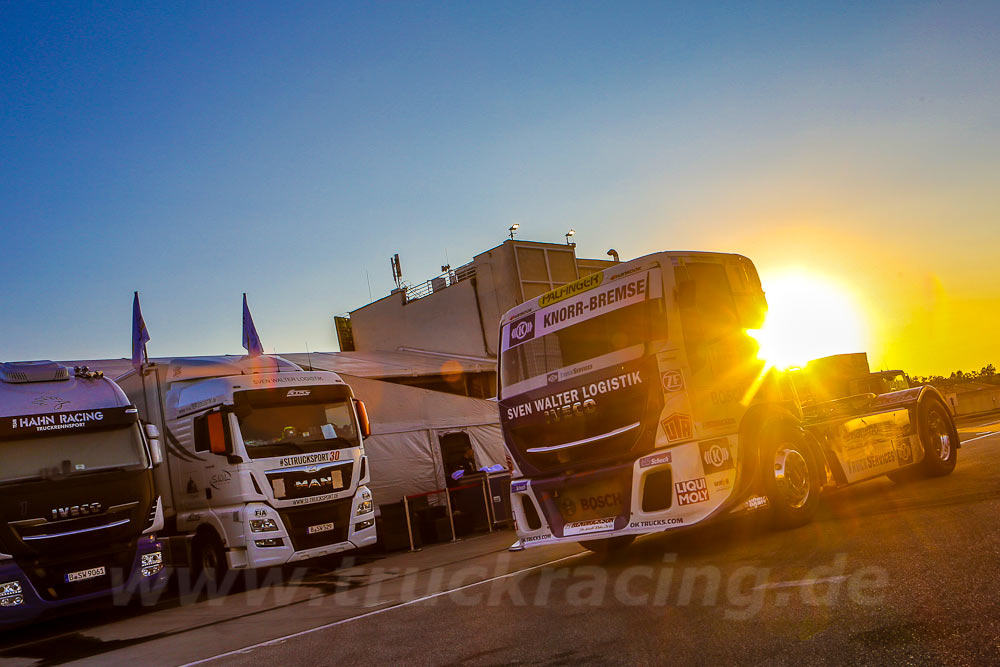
(19, 372)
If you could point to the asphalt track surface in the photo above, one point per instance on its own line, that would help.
(887, 573)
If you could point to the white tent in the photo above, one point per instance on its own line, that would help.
(407, 423)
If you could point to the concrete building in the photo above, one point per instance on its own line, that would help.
(458, 312)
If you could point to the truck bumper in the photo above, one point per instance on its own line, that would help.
(673, 488)
(142, 581)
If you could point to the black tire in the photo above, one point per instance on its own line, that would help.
(938, 436)
(609, 545)
(791, 475)
(209, 560)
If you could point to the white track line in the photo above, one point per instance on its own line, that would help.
(279, 640)
(980, 437)
(801, 582)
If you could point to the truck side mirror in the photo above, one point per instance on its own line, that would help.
(210, 434)
(155, 444)
(366, 426)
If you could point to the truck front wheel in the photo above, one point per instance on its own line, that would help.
(939, 438)
(791, 476)
(210, 559)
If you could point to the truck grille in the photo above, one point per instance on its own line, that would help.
(297, 521)
(294, 483)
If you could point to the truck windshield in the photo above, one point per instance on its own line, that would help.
(280, 430)
(79, 453)
(615, 331)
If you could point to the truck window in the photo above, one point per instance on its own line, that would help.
(72, 454)
(708, 310)
(610, 332)
(280, 430)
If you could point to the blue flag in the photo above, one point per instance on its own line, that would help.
(139, 334)
(251, 341)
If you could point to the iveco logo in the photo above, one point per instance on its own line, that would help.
(75, 511)
(314, 483)
(298, 392)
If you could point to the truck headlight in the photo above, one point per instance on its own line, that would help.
(364, 507)
(154, 558)
(10, 588)
(11, 601)
(263, 525)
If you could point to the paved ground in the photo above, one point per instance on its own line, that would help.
(903, 574)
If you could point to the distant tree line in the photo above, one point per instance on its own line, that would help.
(987, 374)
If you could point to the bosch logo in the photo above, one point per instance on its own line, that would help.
(523, 329)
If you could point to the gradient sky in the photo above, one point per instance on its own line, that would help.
(197, 151)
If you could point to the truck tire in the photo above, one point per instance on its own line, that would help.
(209, 559)
(938, 436)
(791, 475)
(609, 545)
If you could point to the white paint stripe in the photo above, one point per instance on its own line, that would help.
(980, 437)
(280, 640)
(801, 582)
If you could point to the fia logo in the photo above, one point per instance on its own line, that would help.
(673, 381)
(522, 330)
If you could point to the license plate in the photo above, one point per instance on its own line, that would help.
(592, 501)
(321, 528)
(83, 575)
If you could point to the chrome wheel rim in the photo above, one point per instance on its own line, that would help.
(939, 435)
(791, 476)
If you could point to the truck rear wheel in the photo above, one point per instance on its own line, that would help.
(791, 476)
(209, 559)
(609, 545)
(939, 438)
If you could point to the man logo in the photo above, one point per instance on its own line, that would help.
(522, 330)
(715, 455)
(297, 392)
(673, 381)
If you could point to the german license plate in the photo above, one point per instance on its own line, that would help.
(83, 575)
(592, 501)
(320, 528)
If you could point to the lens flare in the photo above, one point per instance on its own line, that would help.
(809, 316)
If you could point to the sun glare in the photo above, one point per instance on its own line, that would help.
(808, 317)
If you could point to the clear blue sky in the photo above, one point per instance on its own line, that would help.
(197, 151)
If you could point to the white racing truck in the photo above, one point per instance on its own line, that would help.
(632, 401)
(265, 461)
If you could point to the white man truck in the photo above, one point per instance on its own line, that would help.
(78, 509)
(265, 461)
(633, 401)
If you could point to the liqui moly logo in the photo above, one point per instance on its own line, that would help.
(691, 491)
(522, 330)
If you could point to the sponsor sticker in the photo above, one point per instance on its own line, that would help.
(591, 526)
(655, 460)
(536, 538)
(516, 487)
(292, 393)
(677, 427)
(691, 491)
(755, 502)
(657, 523)
(571, 289)
(673, 381)
(904, 451)
(306, 459)
(716, 455)
(522, 329)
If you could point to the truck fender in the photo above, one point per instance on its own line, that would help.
(757, 421)
(929, 393)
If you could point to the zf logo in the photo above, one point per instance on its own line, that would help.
(673, 381)
(522, 330)
(715, 455)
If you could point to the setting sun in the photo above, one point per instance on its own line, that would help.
(809, 316)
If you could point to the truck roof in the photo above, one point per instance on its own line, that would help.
(183, 369)
(77, 392)
(618, 269)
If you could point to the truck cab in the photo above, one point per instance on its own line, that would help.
(266, 462)
(78, 508)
